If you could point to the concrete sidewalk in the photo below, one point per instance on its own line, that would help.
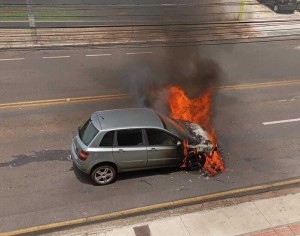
(278, 216)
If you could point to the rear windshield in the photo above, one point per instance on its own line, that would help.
(87, 132)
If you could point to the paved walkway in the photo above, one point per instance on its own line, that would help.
(278, 216)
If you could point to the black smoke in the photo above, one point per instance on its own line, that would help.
(184, 67)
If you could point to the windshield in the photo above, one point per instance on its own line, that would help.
(172, 126)
(87, 132)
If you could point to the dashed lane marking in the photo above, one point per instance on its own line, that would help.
(97, 55)
(171, 4)
(137, 53)
(281, 121)
(56, 57)
(12, 59)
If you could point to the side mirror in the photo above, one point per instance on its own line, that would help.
(178, 143)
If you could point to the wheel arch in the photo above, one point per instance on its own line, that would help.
(103, 164)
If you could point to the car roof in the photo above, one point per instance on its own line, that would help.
(128, 118)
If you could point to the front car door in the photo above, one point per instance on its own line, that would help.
(130, 151)
(162, 148)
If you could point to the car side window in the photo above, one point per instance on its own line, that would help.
(159, 137)
(107, 140)
(131, 137)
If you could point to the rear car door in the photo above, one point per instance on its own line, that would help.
(130, 151)
(162, 148)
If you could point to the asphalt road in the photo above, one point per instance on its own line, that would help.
(38, 184)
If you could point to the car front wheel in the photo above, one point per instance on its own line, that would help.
(193, 162)
(103, 175)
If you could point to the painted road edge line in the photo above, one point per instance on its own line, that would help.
(159, 206)
(281, 121)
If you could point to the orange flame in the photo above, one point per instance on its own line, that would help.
(197, 110)
(185, 151)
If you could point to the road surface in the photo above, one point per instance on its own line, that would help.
(259, 84)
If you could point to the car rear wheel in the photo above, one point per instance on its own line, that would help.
(103, 175)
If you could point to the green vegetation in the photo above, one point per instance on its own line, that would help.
(54, 13)
(17, 13)
(13, 13)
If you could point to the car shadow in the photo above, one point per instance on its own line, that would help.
(81, 176)
(85, 178)
(147, 173)
(41, 156)
(280, 12)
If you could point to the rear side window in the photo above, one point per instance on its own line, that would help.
(132, 137)
(159, 137)
(107, 140)
(87, 132)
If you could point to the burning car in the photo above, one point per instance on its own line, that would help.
(115, 141)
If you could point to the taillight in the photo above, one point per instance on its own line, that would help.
(83, 155)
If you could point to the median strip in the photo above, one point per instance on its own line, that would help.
(258, 85)
(126, 95)
(61, 101)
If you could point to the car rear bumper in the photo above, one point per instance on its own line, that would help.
(77, 161)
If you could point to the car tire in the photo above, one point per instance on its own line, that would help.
(192, 162)
(104, 174)
(276, 8)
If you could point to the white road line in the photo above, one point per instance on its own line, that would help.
(97, 55)
(281, 121)
(297, 48)
(136, 53)
(12, 59)
(56, 57)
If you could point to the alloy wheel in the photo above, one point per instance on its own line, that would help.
(104, 175)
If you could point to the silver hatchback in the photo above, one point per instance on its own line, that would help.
(115, 141)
